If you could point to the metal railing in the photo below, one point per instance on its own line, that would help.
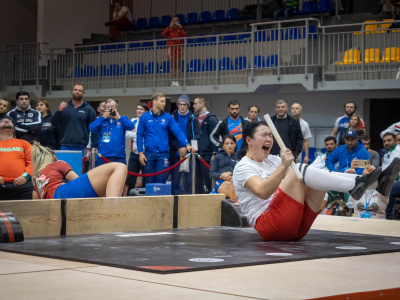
(300, 47)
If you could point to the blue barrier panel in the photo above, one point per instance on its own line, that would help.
(73, 158)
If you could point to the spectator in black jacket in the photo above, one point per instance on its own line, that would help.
(191, 129)
(234, 124)
(288, 128)
(206, 149)
(3, 107)
(47, 136)
(222, 166)
(28, 121)
(74, 118)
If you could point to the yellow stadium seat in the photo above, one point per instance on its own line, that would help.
(386, 25)
(369, 28)
(391, 54)
(371, 56)
(350, 57)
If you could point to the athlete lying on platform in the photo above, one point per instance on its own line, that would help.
(104, 181)
(277, 204)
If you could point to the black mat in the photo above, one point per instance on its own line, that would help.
(182, 250)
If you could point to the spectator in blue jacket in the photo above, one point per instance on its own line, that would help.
(74, 118)
(348, 154)
(111, 127)
(153, 127)
(190, 127)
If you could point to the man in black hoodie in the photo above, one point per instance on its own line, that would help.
(28, 121)
(206, 149)
(234, 124)
(74, 118)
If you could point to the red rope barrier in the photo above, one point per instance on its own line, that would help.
(204, 162)
(152, 174)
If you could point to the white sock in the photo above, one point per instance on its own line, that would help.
(322, 180)
(349, 175)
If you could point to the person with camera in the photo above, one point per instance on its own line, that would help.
(174, 50)
(111, 127)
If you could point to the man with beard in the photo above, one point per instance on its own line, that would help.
(343, 122)
(234, 124)
(330, 145)
(3, 107)
(206, 149)
(15, 164)
(289, 129)
(393, 153)
(74, 118)
(28, 122)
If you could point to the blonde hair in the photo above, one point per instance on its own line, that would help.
(358, 121)
(41, 157)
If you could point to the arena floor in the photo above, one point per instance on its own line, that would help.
(372, 276)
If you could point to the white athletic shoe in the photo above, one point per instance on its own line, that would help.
(177, 83)
(173, 83)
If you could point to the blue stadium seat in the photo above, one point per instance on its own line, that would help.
(113, 70)
(89, 71)
(122, 69)
(212, 40)
(181, 18)
(311, 154)
(138, 68)
(147, 44)
(225, 64)
(78, 72)
(304, 8)
(312, 32)
(194, 65)
(259, 62)
(232, 14)
(120, 46)
(191, 18)
(133, 45)
(108, 47)
(209, 65)
(165, 21)
(244, 37)
(205, 17)
(161, 44)
(218, 15)
(324, 6)
(150, 67)
(201, 40)
(292, 34)
(241, 63)
(164, 67)
(272, 61)
(260, 36)
(103, 70)
(310, 7)
(273, 36)
(154, 22)
(141, 23)
(228, 39)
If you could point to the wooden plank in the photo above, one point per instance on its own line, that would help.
(101, 215)
(38, 218)
(199, 210)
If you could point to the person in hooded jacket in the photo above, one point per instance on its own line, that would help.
(348, 155)
(191, 129)
(48, 135)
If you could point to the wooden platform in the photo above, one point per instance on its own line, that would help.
(377, 276)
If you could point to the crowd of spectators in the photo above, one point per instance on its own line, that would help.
(158, 140)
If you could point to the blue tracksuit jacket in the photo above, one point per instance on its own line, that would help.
(154, 129)
(115, 147)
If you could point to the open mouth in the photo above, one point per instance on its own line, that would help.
(266, 148)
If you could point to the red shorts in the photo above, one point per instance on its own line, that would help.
(285, 219)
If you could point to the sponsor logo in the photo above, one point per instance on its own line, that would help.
(41, 182)
(13, 149)
(30, 115)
